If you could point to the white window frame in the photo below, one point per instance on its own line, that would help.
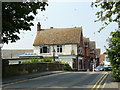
(59, 49)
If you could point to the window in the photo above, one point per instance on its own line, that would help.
(59, 48)
(86, 44)
(44, 49)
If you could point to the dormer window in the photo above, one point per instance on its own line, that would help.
(59, 48)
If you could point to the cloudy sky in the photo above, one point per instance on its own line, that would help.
(64, 14)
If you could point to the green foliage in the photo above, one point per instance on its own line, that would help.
(17, 16)
(110, 12)
(114, 54)
(67, 67)
(35, 60)
(46, 60)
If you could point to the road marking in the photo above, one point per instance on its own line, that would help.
(97, 85)
(103, 85)
(105, 82)
(98, 81)
(102, 81)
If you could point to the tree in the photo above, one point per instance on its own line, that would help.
(110, 12)
(17, 16)
(114, 54)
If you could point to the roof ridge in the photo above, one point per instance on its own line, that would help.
(62, 28)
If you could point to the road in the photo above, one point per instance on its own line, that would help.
(63, 80)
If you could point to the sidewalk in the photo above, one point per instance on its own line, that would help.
(28, 76)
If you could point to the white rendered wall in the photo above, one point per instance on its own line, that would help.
(66, 50)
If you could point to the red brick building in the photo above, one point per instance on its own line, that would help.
(86, 52)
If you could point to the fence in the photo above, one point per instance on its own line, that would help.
(20, 69)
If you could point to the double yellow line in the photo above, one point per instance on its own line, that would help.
(98, 83)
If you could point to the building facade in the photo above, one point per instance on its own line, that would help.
(66, 45)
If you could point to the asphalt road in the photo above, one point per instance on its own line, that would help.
(63, 80)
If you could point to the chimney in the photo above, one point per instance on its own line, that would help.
(51, 27)
(38, 27)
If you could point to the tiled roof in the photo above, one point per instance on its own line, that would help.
(58, 36)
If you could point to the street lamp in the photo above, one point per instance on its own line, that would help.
(53, 54)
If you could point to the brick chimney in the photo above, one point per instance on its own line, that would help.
(38, 27)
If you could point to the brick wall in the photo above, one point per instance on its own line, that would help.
(20, 69)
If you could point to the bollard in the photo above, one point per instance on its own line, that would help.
(93, 67)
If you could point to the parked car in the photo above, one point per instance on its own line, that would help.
(107, 64)
(99, 68)
(107, 67)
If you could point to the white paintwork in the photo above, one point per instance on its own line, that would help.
(65, 56)
(36, 50)
(67, 59)
(66, 50)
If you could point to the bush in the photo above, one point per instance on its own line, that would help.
(33, 60)
(67, 67)
(114, 54)
(46, 60)
(116, 72)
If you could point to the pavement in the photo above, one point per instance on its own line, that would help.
(28, 76)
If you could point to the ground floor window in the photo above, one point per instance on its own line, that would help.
(59, 48)
(44, 49)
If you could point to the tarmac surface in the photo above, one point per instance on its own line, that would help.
(68, 78)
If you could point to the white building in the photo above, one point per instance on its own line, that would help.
(67, 44)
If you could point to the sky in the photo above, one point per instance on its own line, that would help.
(66, 15)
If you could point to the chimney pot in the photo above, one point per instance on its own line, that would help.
(51, 27)
(38, 27)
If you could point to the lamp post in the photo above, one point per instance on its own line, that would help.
(53, 54)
